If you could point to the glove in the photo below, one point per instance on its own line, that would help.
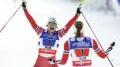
(78, 10)
(24, 4)
(110, 48)
(112, 44)
(52, 61)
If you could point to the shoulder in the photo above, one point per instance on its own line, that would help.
(72, 39)
(87, 38)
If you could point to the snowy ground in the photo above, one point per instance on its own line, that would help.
(18, 41)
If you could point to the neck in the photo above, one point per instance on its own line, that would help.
(49, 31)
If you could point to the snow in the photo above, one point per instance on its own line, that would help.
(18, 41)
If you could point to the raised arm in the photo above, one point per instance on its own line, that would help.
(100, 52)
(31, 20)
(70, 23)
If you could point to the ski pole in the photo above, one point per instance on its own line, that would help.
(96, 37)
(10, 18)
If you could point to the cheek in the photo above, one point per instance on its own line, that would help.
(50, 26)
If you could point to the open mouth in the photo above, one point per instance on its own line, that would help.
(52, 28)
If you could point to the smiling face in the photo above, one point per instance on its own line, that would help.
(52, 25)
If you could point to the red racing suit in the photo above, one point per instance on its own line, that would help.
(48, 40)
(79, 51)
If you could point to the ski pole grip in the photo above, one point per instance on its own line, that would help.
(24, 1)
(112, 44)
(80, 6)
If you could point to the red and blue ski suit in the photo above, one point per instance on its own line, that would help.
(48, 40)
(79, 48)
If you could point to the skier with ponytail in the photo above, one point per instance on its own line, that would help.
(48, 37)
(79, 47)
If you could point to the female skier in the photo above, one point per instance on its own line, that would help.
(79, 47)
(48, 37)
